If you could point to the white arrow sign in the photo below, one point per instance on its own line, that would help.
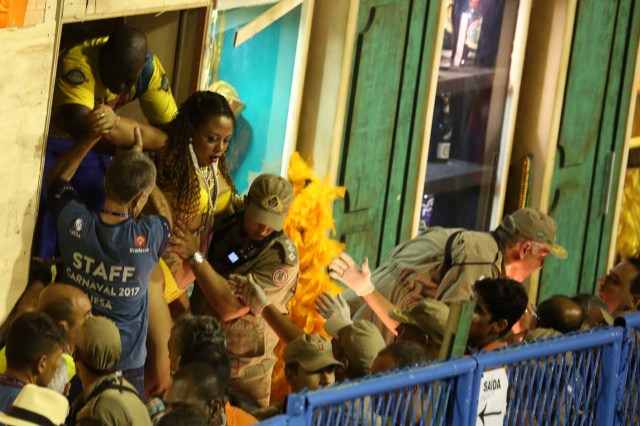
(492, 401)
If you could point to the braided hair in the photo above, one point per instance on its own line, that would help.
(176, 173)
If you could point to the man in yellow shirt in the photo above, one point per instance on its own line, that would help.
(95, 78)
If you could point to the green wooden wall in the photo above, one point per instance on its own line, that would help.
(588, 159)
(392, 65)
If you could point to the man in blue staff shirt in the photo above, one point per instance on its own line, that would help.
(110, 255)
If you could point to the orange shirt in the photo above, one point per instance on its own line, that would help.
(238, 417)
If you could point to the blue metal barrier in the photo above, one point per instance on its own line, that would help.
(433, 395)
(561, 380)
(586, 378)
(628, 395)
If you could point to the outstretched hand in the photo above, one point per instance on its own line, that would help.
(335, 310)
(328, 306)
(249, 292)
(345, 270)
(183, 243)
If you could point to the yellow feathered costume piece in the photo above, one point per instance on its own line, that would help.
(628, 242)
(308, 224)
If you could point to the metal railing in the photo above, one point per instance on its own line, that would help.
(627, 407)
(585, 378)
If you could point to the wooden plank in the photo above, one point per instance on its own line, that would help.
(518, 38)
(322, 86)
(456, 332)
(297, 84)
(418, 168)
(343, 90)
(575, 202)
(409, 125)
(541, 100)
(233, 4)
(23, 120)
(264, 20)
(621, 93)
(86, 10)
(369, 133)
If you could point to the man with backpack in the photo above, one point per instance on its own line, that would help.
(444, 263)
(107, 398)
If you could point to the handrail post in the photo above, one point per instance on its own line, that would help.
(606, 403)
(463, 398)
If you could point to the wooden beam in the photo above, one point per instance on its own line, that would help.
(263, 21)
(456, 333)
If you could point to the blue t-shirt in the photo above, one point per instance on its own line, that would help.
(111, 264)
(8, 394)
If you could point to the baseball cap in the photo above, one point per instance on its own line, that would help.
(533, 225)
(98, 344)
(429, 315)
(270, 197)
(360, 343)
(38, 406)
(312, 351)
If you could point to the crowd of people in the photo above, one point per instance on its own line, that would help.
(170, 290)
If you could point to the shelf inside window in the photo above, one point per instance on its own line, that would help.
(458, 80)
(455, 175)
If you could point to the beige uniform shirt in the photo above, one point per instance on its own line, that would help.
(474, 255)
(250, 340)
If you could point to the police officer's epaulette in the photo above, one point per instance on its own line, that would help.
(288, 250)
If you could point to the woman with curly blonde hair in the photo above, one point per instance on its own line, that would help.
(193, 175)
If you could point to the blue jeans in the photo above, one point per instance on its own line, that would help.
(135, 376)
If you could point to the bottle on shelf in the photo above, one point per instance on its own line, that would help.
(468, 36)
(441, 135)
(426, 209)
(446, 57)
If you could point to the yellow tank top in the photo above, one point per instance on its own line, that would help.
(223, 202)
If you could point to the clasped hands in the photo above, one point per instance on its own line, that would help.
(103, 120)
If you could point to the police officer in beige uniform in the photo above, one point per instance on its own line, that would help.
(251, 241)
(445, 263)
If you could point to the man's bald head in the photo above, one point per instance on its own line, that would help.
(122, 58)
(560, 313)
(127, 43)
(67, 305)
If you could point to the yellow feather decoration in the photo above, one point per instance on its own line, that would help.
(308, 225)
(628, 242)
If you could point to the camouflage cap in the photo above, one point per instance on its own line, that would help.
(312, 351)
(270, 198)
(98, 344)
(360, 343)
(533, 225)
(429, 315)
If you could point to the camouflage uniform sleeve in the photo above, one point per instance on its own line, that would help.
(277, 272)
(157, 101)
